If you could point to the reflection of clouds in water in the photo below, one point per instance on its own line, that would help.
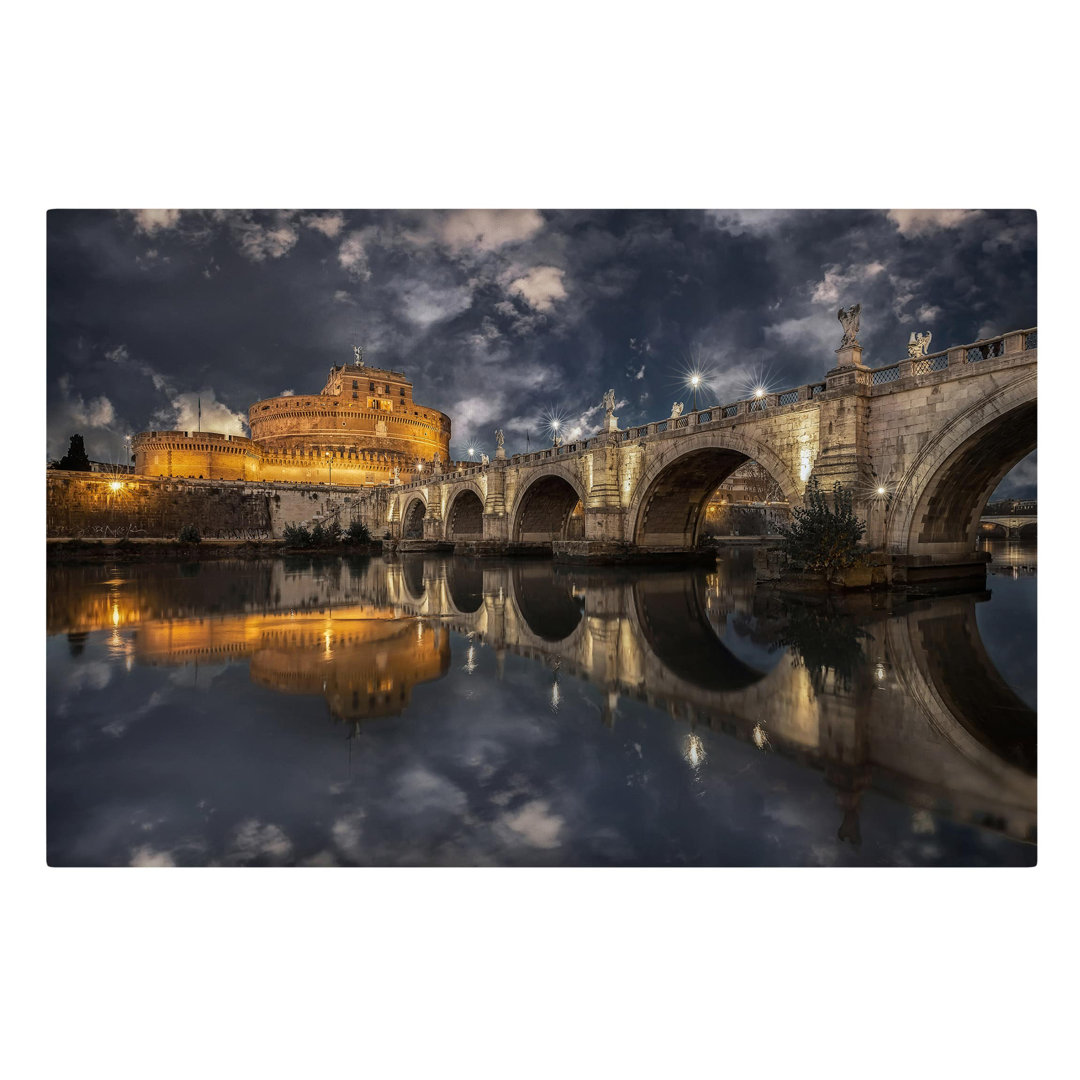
(421, 790)
(91, 675)
(147, 856)
(347, 832)
(254, 840)
(535, 823)
(117, 727)
(454, 780)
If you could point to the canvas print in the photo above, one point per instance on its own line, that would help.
(541, 538)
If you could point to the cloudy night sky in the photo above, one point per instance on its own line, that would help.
(501, 317)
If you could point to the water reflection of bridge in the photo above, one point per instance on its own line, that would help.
(923, 716)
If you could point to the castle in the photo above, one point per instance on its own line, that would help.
(356, 431)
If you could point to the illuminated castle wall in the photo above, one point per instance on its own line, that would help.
(361, 425)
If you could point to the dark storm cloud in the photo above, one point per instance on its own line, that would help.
(498, 315)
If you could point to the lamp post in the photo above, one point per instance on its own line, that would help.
(695, 382)
(554, 432)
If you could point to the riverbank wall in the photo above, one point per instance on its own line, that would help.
(98, 506)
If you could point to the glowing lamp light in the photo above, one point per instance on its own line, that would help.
(472, 451)
(881, 491)
(759, 391)
(116, 485)
(695, 381)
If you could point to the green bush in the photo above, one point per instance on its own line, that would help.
(823, 538)
(325, 534)
(358, 533)
(297, 536)
(190, 535)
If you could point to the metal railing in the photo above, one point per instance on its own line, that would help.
(925, 364)
(884, 375)
(788, 397)
(988, 350)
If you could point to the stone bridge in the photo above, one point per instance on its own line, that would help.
(922, 442)
(1015, 526)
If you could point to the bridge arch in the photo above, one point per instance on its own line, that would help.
(937, 506)
(412, 518)
(465, 514)
(667, 508)
(549, 507)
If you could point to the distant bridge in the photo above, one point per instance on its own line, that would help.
(1022, 519)
(923, 443)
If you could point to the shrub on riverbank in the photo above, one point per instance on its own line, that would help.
(189, 535)
(358, 533)
(325, 535)
(824, 536)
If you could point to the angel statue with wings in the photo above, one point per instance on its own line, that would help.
(609, 402)
(918, 344)
(849, 320)
(499, 437)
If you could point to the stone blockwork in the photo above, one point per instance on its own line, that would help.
(922, 443)
(81, 504)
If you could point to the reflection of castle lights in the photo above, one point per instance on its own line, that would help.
(115, 615)
(694, 751)
(761, 740)
(328, 638)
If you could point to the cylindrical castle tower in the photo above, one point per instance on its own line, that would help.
(362, 425)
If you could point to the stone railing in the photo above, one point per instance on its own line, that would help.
(1016, 341)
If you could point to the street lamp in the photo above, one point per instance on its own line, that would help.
(555, 432)
(695, 382)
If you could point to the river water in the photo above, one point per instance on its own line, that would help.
(445, 711)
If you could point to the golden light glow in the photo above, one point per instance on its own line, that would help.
(761, 740)
(759, 391)
(694, 751)
(116, 485)
(881, 491)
